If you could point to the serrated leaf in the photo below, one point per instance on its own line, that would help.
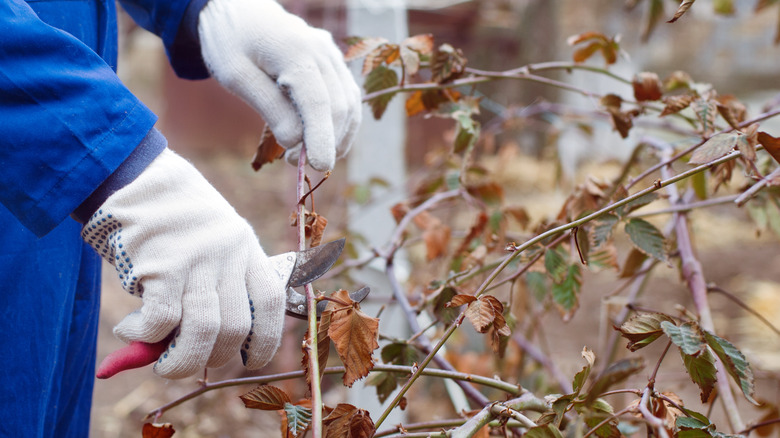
(484, 311)
(355, 336)
(604, 257)
(675, 104)
(385, 384)
(400, 353)
(714, 148)
(448, 64)
(706, 111)
(555, 264)
(613, 374)
(702, 370)
(266, 398)
(386, 53)
(379, 79)
(642, 329)
(537, 284)
(646, 238)
(688, 337)
(566, 293)
(360, 47)
(546, 431)
(735, 363)
(298, 418)
(346, 420)
(602, 229)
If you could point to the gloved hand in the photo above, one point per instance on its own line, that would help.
(197, 265)
(292, 74)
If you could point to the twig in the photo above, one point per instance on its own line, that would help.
(489, 413)
(261, 380)
(755, 188)
(658, 423)
(694, 277)
(688, 207)
(607, 420)
(670, 160)
(311, 340)
(740, 303)
(753, 427)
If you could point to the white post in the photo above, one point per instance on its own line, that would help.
(378, 155)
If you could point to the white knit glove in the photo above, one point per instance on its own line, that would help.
(294, 75)
(178, 244)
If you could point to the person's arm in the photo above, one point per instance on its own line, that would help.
(66, 121)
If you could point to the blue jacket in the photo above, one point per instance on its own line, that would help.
(67, 127)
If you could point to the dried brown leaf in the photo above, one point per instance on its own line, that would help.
(675, 104)
(157, 430)
(732, 110)
(647, 86)
(384, 53)
(315, 228)
(482, 312)
(355, 336)
(677, 80)
(268, 150)
(347, 421)
(448, 64)
(460, 299)
(681, 10)
(423, 43)
(265, 398)
(771, 144)
(362, 47)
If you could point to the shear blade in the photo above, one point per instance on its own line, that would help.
(297, 306)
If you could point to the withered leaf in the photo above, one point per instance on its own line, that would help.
(642, 329)
(482, 312)
(706, 111)
(355, 336)
(675, 104)
(448, 64)
(384, 53)
(268, 150)
(361, 47)
(597, 42)
(771, 144)
(677, 80)
(633, 262)
(460, 299)
(150, 430)
(436, 234)
(717, 146)
(681, 10)
(422, 43)
(732, 110)
(315, 228)
(347, 421)
(265, 398)
(647, 86)
(427, 100)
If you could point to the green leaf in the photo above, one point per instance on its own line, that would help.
(702, 370)
(735, 362)
(717, 146)
(560, 406)
(581, 377)
(615, 373)
(380, 78)
(642, 329)
(689, 337)
(646, 238)
(602, 229)
(555, 263)
(597, 412)
(466, 135)
(537, 284)
(385, 384)
(298, 418)
(566, 293)
(546, 431)
(400, 353)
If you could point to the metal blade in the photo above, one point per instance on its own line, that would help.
(313, 263)
(297, 305)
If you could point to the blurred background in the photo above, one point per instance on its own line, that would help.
(220, 134)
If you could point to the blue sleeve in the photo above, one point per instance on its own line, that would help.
(176, 23)
(66, 121)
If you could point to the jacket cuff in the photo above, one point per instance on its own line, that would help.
(149, 148)
(185, 53)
